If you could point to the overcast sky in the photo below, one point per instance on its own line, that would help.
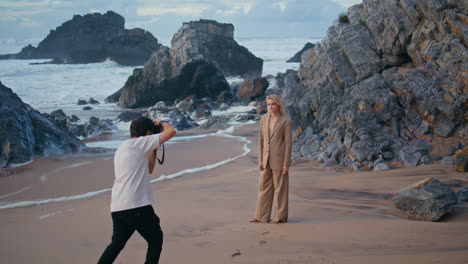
(26, 19)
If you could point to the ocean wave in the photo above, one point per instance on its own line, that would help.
(220, 133)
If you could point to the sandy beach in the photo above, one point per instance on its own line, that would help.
(336, 215)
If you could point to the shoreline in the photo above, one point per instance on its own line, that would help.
(336, 215)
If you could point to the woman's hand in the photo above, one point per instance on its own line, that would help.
(260, 166)
(285, 170)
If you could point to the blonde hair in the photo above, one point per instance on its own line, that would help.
(277, 99)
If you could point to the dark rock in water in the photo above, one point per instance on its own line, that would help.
(427, 200)
(216, 122)
(226, 97)
(197, 78)
(462, 195)
(75, 127)
(24, 132)
(201, 112)
(245, 118)
(252, 89)
(93, 101)
(81, 102)
(87, 108)
(129, 116)
(93, 38)
(201, 54)
(214, 42)
(297, 56)
(379, 90)
(183, 123)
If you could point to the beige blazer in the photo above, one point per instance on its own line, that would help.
(275, 148)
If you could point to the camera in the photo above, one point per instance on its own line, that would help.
(158, 129)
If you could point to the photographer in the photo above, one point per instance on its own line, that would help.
(132, 198)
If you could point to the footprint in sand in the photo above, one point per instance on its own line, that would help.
(237, 254)
(204, 244)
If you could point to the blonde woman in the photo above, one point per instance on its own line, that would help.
(274, 161)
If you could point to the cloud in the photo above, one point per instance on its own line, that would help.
(181, 10)
(165, 17)
(26, 22)
(282, 5)
(347, 3)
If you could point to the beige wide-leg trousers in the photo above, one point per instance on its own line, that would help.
(273, 187)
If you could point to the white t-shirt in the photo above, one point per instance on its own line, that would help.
(132, 186)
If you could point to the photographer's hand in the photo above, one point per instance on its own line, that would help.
(157, 122)
(167, 133)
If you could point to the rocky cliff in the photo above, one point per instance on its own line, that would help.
(202, 53)
(24, 132)
(387, 82)
(93, 38)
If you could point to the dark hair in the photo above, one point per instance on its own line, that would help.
(140, 126)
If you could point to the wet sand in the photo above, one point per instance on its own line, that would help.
(336, 215)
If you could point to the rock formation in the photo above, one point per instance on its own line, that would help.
(24, 132)
(93, 38)
(383, 84)
(427, 200)
(201, 53)
(297, 56)
(214, 42)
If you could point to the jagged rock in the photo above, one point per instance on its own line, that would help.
(381, 166)
(201, 112)
(245, 118)
(25, 132)
(252, 89)
(74, 126)
(93, 38)
(158, 82)
(226, 97)
(201, 53)
(462, 195)
(129, 116)
(427, 200)
(447, 160)
(388, 81)
(297, 56)
(223, 107)
(461, 160)
(214, 42)
(409, 156)
(215, 122)
(93, 101)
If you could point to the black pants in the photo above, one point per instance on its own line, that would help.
(143, 220)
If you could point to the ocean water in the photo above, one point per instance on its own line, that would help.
(50, 87)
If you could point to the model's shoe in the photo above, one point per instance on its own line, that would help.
(278, 221)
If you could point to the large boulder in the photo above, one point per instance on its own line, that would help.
(214, 42)
(252, 89)
(202, 53)
(158, 82)
(390, 75)
(427, 200)
(24, 132)
(93, 38)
